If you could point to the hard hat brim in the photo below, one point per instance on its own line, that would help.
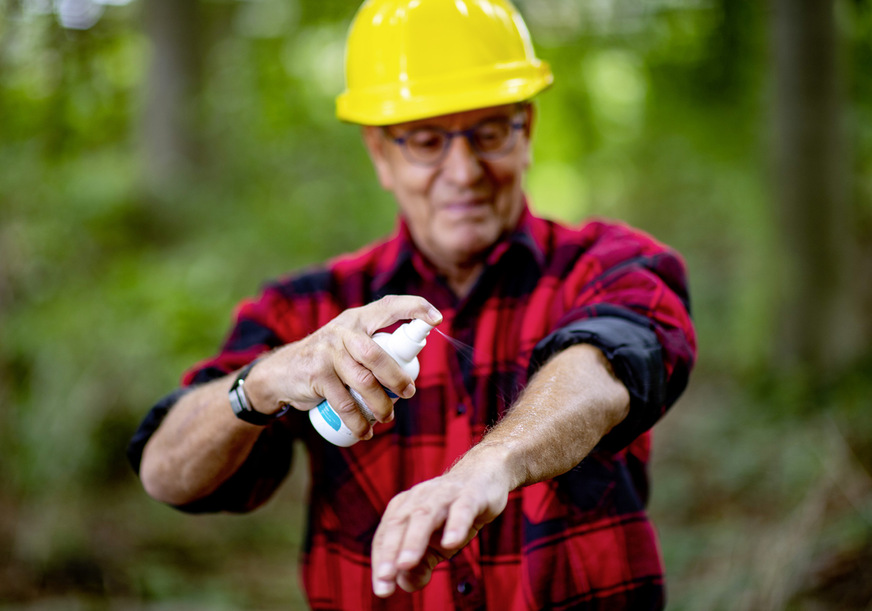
(391, 104)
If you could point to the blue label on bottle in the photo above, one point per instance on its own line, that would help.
(330, 417)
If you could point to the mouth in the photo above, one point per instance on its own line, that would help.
(466, 205)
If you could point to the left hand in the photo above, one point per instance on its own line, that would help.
(431, 522)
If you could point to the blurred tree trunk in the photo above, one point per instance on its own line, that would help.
(820, 319)
(169, 132)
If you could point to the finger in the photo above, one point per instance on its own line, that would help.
(390, 533)
(423, 522)
(374, 370)
(369, 396)
(383, 587)
(385, 546)
(378, 378)
(340, 399)
(414, 579)
(376, 403)
(393, 308)
(459, 525)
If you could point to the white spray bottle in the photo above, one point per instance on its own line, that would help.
(403, 345)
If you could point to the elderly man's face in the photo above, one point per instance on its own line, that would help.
(460, 207)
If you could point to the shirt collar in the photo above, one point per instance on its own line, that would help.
(403, 253)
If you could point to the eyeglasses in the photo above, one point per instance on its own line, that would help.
(428, 146)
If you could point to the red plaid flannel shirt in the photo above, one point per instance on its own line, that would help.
(581, 540)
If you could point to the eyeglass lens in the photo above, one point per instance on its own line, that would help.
(490, 138)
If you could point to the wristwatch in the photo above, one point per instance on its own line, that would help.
(242, 408)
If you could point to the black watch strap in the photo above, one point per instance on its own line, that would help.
(242, 408)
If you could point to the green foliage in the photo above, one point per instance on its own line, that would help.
(110, 286)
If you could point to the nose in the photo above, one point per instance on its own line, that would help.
(462, 166)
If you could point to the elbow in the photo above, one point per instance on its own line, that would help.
(154, 475)
(152, 481)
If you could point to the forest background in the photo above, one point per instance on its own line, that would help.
(159, 160)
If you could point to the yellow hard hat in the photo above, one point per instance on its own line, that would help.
(413, 59)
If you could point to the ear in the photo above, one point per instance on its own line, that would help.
(375, 142)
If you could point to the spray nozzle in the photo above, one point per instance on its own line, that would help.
(417, 330)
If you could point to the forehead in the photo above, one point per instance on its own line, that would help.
(461, 119)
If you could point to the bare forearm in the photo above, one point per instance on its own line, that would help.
(197, 447)
(569, 405)
(201, 443)
(566, 409)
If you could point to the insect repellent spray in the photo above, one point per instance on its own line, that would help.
(403, 345)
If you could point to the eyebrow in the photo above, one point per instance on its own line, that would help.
(424, 125)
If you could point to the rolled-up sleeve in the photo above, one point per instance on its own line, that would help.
(636, 310)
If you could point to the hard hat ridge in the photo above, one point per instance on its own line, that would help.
(412, 59)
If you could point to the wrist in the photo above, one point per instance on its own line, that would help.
(242, 405)
(496, 461)
(258, 389)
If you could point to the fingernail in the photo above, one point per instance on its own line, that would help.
(407, 557)
(435, 315)
(382, 589)
(408, 391)
(451, 538)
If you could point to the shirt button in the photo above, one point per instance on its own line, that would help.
(461, 409)
(464, 587)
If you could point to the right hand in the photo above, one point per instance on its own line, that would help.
(339, 355)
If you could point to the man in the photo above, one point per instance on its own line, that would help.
(511, 473)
